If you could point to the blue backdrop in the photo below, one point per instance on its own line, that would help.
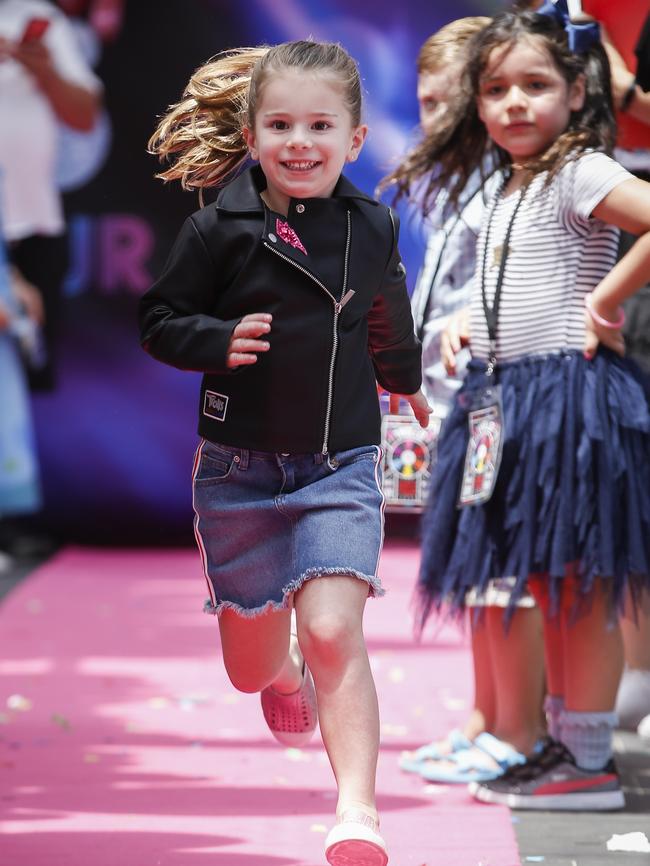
(117, 436)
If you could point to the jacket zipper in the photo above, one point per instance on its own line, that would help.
(338, 306)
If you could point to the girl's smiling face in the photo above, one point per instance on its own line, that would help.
(524, 100)
(302, 136)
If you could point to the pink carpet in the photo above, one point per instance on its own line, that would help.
(123, 744)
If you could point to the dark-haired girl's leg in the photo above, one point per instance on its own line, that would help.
(592, 642)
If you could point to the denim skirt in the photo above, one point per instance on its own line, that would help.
(266, 522)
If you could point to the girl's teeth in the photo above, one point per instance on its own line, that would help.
(302, 166)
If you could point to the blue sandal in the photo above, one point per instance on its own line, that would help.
(411, 762)
(488, 759)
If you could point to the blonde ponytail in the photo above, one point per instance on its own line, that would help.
(202, 134)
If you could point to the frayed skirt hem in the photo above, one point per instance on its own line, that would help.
(375, 590)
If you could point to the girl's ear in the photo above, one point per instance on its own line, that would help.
(577, 93)
(249, 138)
(358, 138)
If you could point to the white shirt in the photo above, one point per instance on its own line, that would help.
(558, 254)
(444, 284)
(31, 202)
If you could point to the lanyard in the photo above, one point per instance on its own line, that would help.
(492, 313)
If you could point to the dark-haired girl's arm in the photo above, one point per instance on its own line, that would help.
(628, 207)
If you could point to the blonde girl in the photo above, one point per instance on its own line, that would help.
(288, 294)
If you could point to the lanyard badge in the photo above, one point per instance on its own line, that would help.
(484, 405)
(484, 448)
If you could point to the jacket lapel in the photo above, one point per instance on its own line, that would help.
(242, 196)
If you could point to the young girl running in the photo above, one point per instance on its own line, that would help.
(544, 463)
(288, 293)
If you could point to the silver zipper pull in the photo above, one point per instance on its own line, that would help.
(346, 297)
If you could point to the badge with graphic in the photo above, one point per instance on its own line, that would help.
(483, 455)
(409, 454)
(215, 405)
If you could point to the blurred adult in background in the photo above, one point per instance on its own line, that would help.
(21, 313)
(104, 16)
(44, 80)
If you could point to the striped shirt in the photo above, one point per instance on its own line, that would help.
(557, 254)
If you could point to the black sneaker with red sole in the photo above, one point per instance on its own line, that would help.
(551, 781)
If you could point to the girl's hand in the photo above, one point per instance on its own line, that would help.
(28, 296)
(419, 405)
(454, 337)
(244, 343)
(596, 334)
(36, 58)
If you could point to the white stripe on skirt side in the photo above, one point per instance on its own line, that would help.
(382, 507)
(197, 531)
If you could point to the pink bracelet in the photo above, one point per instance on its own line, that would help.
(605, 323)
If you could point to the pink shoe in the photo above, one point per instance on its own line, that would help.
(354, 841)
(292, 718)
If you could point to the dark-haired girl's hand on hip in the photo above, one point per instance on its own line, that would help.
(245, 342)
(596, 334)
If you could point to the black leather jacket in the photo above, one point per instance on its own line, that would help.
(314, 390)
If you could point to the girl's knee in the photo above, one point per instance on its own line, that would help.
(328, 637)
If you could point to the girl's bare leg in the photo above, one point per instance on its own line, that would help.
(518, 659)
(511, 670)
(593, 653)
(256, 651)
(329, 613)
(636, 634)
(483, 716)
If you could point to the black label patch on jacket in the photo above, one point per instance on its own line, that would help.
(215, 405)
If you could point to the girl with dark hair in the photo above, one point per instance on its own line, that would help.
(508, 708)
(544, 462)
(288, 294)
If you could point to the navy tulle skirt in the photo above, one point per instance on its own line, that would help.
(573, 488)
